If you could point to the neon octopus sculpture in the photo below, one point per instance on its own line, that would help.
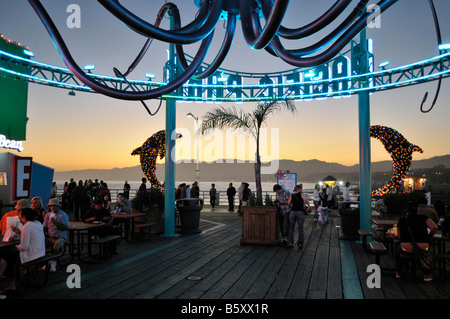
(258, 35)
(401, 153)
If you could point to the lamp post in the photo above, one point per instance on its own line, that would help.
(197, 138)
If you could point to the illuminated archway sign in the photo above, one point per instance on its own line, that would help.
(337, 78)
(231, 86)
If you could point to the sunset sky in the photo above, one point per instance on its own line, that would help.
(94, 131)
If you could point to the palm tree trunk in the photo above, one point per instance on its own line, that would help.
(258, 169)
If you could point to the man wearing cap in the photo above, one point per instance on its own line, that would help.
(21, 203)
(56, 224)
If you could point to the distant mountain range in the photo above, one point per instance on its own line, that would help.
(310, 170)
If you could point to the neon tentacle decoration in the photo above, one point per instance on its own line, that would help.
(201, 28)
(226, 45)
(180, 36)
(259, 40)
(439, 40)
(313, 27)
(335, 48)
(98, 87)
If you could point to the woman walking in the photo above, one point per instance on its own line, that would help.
(297, 214)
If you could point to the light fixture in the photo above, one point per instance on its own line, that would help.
(71, 93)
(150, 76)
(89, 68)
(383, 65)
(28, 53)
(222, 78)
(444, 46)
(310, 74)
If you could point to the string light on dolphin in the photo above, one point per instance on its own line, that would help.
(400, 151)
(153, 147)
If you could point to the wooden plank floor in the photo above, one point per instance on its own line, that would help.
(213, 265)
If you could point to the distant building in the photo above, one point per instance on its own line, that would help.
(413, 183)
(329, 180)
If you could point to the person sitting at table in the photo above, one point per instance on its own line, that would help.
(418, 225)
(32, 239)
(424, 209)
(106, 201)
(123, 204)
(32, 245)
(100, 214)
(37, 205)
(56, 225)
(21, 203)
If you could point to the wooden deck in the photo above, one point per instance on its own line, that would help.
(213, 265)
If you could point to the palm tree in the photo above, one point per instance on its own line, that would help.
(222, 118)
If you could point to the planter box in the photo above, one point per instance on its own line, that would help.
(260, 225)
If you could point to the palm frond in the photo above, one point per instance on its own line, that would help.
(222, 117)
(264, 110)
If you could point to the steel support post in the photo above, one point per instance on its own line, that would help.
(365, 191)
(169, 184)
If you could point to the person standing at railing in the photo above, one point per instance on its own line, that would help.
(195, 190)
(212, 195)
(78, 198)
(126, 190)
(240, 192)
(231, 191)
(143, 187)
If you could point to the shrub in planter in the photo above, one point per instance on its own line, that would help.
(395, 204)
(152, 203)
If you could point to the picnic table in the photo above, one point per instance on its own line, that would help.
(124, 217)
(75, 249)
(384, 224)
(6, 244)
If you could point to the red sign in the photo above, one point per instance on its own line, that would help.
(22, 177)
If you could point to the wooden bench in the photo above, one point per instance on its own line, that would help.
(103, 243)
(378, 249)
(364, 233)
(144, 226)
(37, 264)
